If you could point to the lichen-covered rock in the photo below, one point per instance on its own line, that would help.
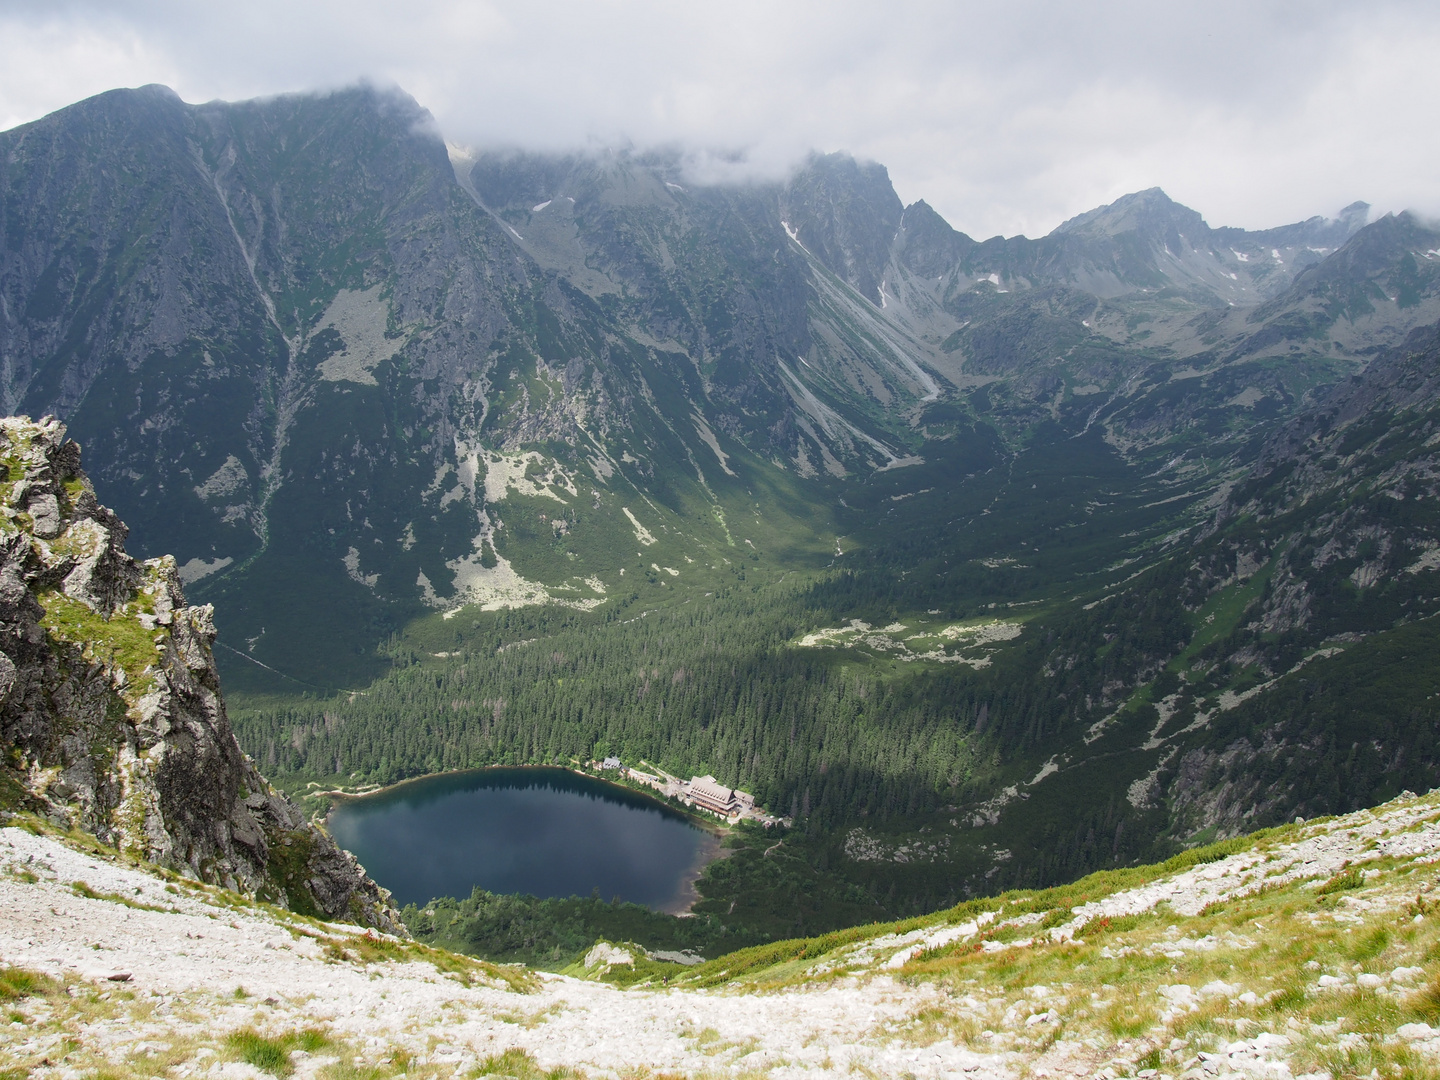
(111, 717)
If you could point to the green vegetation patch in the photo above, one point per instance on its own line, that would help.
(519, 1065)
(272, 1054)
(17, 983)
(369, 948)
(13, 795)
(80, 888)
(289, 866)
(119, 642)
(1341, 882)
(554, 933)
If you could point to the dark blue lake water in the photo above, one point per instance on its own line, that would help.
(541, 831)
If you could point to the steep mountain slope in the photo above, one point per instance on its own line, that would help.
(111, 719)
(1260, 650)
(309, 361)
(282, 326)
(316, 353)
(1335, 649)
(780, 332)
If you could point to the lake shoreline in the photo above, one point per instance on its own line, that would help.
(708, 822)
(711, 848)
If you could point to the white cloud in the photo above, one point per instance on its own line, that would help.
(1006, 117)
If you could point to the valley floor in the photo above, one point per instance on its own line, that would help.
(1312, 950)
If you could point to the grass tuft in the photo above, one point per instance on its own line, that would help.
(17, 983)
(268, 1055)
(272, 1055)
(1426, 1002)
(519, 1065)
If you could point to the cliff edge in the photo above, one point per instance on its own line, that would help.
(111, 718)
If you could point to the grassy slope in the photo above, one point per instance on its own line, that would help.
(1100, 964)
(1310, 944)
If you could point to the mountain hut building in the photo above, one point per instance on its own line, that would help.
(709, 794)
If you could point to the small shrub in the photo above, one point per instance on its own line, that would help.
(1347, 879)
(1104, 924)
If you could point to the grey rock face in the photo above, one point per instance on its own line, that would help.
(847, 214)
(111, 717)
(278, 326)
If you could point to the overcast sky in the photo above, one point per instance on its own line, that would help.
(1007, 116)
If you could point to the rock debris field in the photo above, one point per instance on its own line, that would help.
(1308, 951)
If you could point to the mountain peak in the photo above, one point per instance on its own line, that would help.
(846, 213)
(927, 244)
(1357, 211)
(1148, 211)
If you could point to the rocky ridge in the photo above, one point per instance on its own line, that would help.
(111, 717)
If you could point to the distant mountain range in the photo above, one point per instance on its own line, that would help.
(304, 348)
(395, 405)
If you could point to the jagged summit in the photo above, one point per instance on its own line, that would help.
(846, 213)
(111, 719)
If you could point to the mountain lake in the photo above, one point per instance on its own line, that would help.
(537, 831)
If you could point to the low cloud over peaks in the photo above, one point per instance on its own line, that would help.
(1006, 118)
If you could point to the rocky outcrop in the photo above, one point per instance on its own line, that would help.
(111, 717)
